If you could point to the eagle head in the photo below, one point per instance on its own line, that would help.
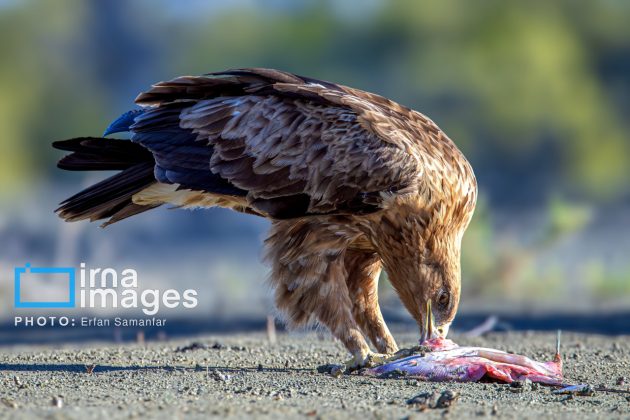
(420, 250)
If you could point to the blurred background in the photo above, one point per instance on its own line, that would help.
(536, 94)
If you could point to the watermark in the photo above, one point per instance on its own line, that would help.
(95, 288)
(65, 274)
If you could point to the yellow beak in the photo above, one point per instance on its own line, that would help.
(429, 330)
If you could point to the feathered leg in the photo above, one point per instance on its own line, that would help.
(309, 276)
(363, 270)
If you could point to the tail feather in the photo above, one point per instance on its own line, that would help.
(112, 197)
(127, 211)
(98, 154)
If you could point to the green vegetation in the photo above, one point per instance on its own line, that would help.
(506, 79)
(535, 93)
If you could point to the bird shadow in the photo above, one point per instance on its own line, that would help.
(89, 369)
(75, 367)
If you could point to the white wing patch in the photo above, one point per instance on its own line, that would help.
(160, 193)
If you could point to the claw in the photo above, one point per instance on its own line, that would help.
(354, 363)
(349, 366)
(358, 362)
(375, 359)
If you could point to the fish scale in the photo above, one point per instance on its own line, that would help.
(448, 362)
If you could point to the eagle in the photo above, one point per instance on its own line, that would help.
(351, 182)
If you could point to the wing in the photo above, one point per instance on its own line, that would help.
(292, 146)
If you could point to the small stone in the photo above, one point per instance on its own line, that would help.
(520, 387)
(57, 401)
(218, 376)
(336, 371)
(18, 383)
(9, 402)
(447, 398)
(580, 389)
(218, 346)
(192, 346)
(422, 400)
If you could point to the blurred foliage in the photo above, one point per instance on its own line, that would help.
(563, 219)
(532, 91)
(535, 93)
(500, 264)
(605, 285)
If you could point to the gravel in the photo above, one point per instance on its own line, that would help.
(243, 375)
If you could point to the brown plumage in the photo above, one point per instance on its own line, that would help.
(352, 183)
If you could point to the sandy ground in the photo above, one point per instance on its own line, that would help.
(246, 376)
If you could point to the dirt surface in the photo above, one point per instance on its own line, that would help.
(246, 376)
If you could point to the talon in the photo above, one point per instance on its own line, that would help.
(377, 359)
(402, 353)
(355, 363)
(359, 362)
(374, 359)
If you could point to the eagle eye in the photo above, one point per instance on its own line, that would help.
(443, 299)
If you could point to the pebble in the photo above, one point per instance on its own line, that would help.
(57, 401)
(219, 376)
(447, 398)
(423, 399)
(8, 402)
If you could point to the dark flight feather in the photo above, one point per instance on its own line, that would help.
(112, 196)
(290, 146)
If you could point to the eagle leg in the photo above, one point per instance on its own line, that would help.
(311, 283)
(363, 270)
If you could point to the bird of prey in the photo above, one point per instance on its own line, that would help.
(352, 182)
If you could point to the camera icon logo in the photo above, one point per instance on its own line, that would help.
(36, 281)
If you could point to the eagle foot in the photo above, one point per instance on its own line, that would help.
(357, 362)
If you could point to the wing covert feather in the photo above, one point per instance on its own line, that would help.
(297, 146)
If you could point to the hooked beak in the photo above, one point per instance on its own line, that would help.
(429, 330)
